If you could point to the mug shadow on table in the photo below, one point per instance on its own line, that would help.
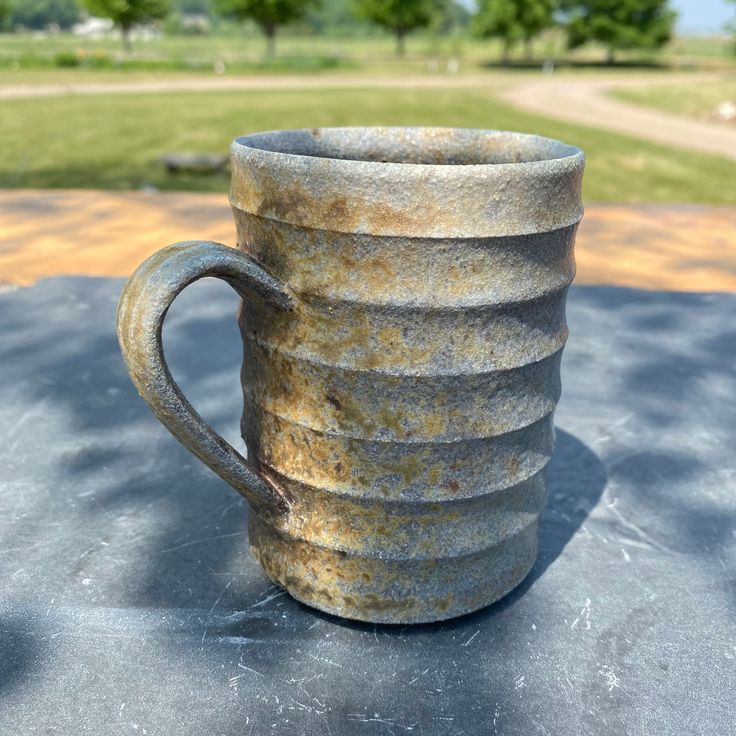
(181, 533)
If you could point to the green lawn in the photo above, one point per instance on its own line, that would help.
(238, 49)
(696, 100)
(113, 141)
(236, 52)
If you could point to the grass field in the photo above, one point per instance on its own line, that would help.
(241, 49)
(113, 141)
(697, 100)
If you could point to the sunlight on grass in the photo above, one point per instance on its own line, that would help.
(114, 142)
(698, 100)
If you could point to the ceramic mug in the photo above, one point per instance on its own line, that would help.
(403, 317)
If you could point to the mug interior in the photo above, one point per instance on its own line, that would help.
(423, 146)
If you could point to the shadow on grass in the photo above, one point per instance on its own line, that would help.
(541, 64)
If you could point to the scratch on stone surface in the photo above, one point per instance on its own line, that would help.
(219, 597)
(236, 502)
(643, 536)
(635, 543)
(37, 408)
(269, 598)
(421, 674)
(607, 431)
(27, 548)
(250, 669)
(584, 614)
(626, 555)
(323, 659)
(214, 605)
(202, 541)
(376, 718)
(307, 708)
(467, 643)
(240, 640)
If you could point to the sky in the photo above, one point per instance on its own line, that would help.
(703, 16)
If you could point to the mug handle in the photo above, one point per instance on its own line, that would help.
(144, 302)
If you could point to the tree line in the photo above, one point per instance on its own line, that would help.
(614, 24)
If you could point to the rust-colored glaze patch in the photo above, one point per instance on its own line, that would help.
(375, 270)
(372, 589)
(396, 530)
(292, 202)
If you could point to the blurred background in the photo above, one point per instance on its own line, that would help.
(145, 95)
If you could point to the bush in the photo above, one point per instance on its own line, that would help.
(94, 59)
(66, 59)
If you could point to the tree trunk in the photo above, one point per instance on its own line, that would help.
(528, 51)
(506, 55)
(611, 56)
(269, 29)
(125, 35)
(400, 47)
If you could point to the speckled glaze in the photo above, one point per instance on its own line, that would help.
(403, 321)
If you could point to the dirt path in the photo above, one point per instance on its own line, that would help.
(98, 233)
(245, 84)
(586, 101)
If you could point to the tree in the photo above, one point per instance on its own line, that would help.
(5, 11)
(267, 14)
(398, 16)
(453, 16)
(332, 16)
(193, 7)
(40, 14)
(126, 14)
(512, 21)
(731, 26)
(619, 24)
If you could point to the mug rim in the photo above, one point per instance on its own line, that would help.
(268, 142)
(434, 200)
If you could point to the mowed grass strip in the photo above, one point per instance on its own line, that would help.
(698, 100)
(114, 141)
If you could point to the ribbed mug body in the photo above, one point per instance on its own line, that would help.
(405, 406)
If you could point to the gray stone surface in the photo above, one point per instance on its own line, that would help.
(130, 604)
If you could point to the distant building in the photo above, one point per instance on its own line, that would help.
(98, 28)
(94, 28)
(195, 23)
